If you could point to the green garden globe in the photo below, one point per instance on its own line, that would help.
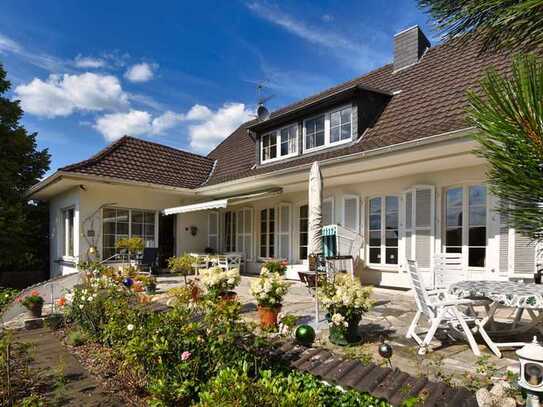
(305, 335)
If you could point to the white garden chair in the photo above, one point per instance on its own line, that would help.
(448, 269)
(443, 311)
(199, 264)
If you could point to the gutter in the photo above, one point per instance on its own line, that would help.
(59, 175)
(451, 135)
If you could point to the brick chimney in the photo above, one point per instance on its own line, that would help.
(409, 46)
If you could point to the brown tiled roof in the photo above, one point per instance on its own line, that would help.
(385, 383)
(143, 161)
(431, 101)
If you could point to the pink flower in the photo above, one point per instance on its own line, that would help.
(185, 355)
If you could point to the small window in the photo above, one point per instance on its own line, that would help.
(314, 132)
(68, 216)
(340, 125)
(289, 140)
(269, 147)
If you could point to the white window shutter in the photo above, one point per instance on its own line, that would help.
(524, 256)
(244, 232)
(351, 212)
(213, 230)
(419, 225)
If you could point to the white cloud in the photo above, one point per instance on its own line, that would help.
(215, 126)
(140, 72)
(353, 51)
(61, 95)
(199, 112)
(135, 123)
(9, 45)
(88, 62)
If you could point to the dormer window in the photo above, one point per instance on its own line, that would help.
(328, 129)
(279, 144)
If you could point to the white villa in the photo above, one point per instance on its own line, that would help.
(396, 156)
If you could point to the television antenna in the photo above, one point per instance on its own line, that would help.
(262, 112)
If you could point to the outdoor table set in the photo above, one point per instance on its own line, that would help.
(524, 297)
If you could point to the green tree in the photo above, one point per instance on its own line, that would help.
(509, 114)
(23, 224)
(514, 24)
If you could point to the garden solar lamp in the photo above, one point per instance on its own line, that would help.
(531, 371)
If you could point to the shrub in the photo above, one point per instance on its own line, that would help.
(132, 245)
(269, 289)
(236, 387)
(218, 281)
(181, 265)
(276, 266)
(7, 295)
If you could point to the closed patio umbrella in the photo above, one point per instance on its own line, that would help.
(315, 223)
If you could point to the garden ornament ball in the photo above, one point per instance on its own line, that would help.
(128, 282)
(305, 334)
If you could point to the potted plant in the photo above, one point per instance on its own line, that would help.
(181, 265)
(276, 266)
(220, 283)
(148, 282)
(345, 301)
(269, 290)
(33, 303)
(131, 246)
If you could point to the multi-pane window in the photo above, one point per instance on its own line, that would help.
(340, 125)
(303, 228)
(466, 234)
(230, 231)
(124, 223)
(314, 132)
(289, 140)
(244, 232)
(477, 226)
(142, 225)
(267, 232)
(269, 146)
(383, 230)
(68, 216)
(280, 143)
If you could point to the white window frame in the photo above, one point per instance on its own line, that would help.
(345, 198)
(155, 237)
(327, 142)
(230, 230)
(383, 230)
(465, 223)
(332, 200)
(218, 231)
(268, 232)
(66, 238)
(246, 232)
(277, 134)
(279, 232)
(299, 232)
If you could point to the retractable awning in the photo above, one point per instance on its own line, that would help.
(222, 203)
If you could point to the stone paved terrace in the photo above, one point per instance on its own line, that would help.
(393, 312)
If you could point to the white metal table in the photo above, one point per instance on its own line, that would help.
(525, 297)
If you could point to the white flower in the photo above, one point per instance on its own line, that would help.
(80, 306)
(130, 327)
(339, 320)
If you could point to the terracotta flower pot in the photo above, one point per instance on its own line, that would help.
(268, 316)
(34, 310)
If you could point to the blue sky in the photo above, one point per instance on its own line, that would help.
(181, 73)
